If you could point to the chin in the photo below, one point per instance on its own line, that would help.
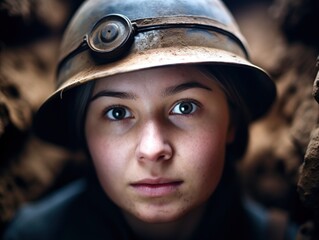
(158, 217)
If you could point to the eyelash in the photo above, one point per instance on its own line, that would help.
(128, 114)
(114, 107)
(194, 104)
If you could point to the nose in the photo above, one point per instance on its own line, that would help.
(152, 145)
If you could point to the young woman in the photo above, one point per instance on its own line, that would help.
(159, 95)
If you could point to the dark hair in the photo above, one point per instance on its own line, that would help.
(230, 83)
(78, 101)
(227, 80)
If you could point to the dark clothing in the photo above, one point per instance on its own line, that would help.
(82, 211)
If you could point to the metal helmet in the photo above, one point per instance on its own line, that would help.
(108, 37)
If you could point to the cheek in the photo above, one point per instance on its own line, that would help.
(206, 162)
(211, 153)
(208, 145)
(102, 150)
(107, 158)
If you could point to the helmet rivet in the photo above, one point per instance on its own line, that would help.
(109, 33)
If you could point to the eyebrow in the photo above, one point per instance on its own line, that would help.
(106, 93)
(184, 86)
(167, 92)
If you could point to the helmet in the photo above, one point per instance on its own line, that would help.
(108, 37)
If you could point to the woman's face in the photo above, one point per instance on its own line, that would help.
(157, 139)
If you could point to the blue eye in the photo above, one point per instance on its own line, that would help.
(184, 107)
(118, 113)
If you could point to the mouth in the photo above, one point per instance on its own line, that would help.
(156, 187)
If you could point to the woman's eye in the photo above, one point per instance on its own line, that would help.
(118, 113)
(184, 107)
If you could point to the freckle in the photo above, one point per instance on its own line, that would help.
(185, 200)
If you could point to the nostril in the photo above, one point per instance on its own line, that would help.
(162, 152)
(166, 156)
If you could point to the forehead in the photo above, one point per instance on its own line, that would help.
(156, 77)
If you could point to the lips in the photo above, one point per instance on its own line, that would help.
(156, 187)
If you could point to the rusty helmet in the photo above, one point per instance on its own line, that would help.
(110, 37)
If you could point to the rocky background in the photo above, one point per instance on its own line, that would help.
(280, 171)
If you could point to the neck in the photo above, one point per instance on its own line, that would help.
(180, 229)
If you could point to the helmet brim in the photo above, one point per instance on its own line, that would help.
(258, 90)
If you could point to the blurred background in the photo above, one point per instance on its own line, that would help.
(281, 168)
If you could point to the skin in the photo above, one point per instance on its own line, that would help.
(172, 128)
